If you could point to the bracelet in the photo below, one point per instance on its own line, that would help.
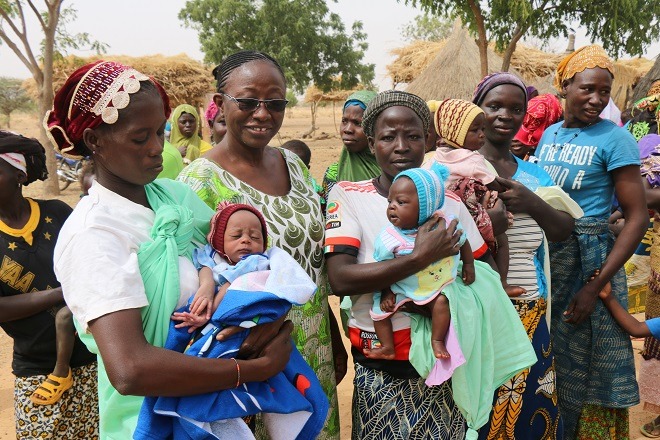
(238, 373)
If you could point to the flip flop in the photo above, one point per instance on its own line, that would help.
(655, 428)
(50, 392)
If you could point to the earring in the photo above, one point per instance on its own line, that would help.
(19, 184)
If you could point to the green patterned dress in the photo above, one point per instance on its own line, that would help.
(295, 224)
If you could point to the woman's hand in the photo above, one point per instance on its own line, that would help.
(516, 196)
(435, 240)
(498, 217)
(183, 150)
(277, 352)
(582, 305)
(256, 340)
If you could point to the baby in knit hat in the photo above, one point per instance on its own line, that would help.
(238, 240)
(414, 196)
(460, 125)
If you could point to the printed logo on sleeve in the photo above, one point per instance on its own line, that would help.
(333, 216)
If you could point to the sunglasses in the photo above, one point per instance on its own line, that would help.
(251, 104)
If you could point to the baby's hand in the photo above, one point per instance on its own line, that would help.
(606, 291)
(187, 319)
(513, 291)
(201, 305)
(468, 273)
(387, 300)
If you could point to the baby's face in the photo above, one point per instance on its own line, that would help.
(403, 204)
(243, 235)
(476, 136)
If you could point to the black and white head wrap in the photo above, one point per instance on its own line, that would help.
(394, 98)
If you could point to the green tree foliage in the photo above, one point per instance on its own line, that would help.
(427, 27)
(310, 43)
(622, 26)
(12, 97)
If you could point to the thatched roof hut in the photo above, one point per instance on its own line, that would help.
(185, 80)
(456, 70)
(412, 60)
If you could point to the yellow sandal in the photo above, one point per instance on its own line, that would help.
(50, 392)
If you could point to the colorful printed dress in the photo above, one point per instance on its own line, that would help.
(295, 224)
(525, 407)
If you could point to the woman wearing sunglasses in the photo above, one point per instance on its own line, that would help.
(242, 168)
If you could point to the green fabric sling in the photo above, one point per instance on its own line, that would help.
(181, 223)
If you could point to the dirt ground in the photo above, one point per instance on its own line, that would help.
(325, 148)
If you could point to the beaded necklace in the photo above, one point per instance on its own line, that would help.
(577, 133)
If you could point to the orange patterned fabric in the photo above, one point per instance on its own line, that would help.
(587, 57)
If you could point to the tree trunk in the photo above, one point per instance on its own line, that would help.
(46, 97)
(645, 82)
(482, 42)
(511, 48)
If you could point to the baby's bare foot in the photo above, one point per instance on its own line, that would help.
(439, 349)
(381, 352)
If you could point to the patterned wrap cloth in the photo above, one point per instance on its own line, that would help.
(595, 358)
(91, 96)
(542, 112)
(587, 57)
(295, 224)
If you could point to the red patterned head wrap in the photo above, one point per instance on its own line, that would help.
(92, 95)
(542, 112)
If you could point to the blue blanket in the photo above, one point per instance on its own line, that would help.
(293, 402)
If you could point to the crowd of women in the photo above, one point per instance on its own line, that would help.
(122, 259)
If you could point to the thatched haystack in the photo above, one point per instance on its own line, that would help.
(534, 63)
(314, 94)
(412, 60)
(185, 80)
(456, 70)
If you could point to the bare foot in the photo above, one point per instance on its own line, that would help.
(439, 349)
(381, 352)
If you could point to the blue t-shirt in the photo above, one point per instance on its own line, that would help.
(580, 161)
(654, 326)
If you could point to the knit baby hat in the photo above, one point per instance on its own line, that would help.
(216, 237)
(452, 120)
(430, 186)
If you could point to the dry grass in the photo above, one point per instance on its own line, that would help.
(447, 77)
(186, 81)
(412, 60)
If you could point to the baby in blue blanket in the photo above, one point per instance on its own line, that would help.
(237, 232)
(255, 286)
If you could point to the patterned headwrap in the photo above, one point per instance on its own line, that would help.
(430, 185)
(361, 98)
(654, 89)
(394, 98)
(542, 112)
(92, 95)
(587, 57)
(211, 111)
(24, 154)
(489, 82)
(453, 119)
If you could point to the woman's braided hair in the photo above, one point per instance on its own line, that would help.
(224, 69)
